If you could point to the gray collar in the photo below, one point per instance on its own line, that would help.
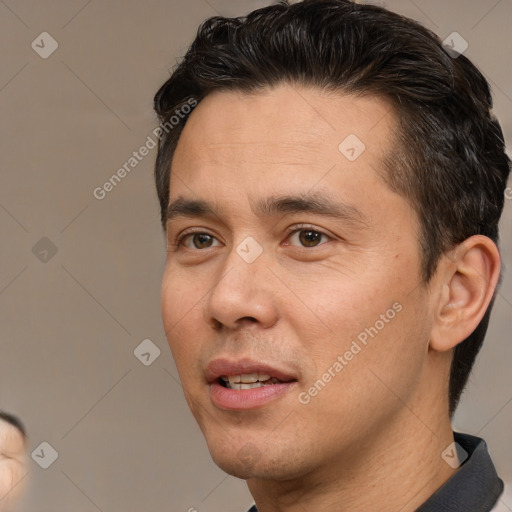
(475, 486)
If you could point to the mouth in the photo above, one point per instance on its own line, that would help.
(246, 384)
(247, 381)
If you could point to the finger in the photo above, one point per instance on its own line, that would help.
(12, 474)
(12, 439)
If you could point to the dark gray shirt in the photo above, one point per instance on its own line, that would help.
(475, 487)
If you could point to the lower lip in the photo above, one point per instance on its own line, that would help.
(240, 399)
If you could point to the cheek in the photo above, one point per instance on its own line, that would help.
(382, 343)
(371, 321)
(341, 306)
(182, 317)
(180, 297)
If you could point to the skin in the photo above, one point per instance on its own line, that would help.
(13, 465)
(372, 438)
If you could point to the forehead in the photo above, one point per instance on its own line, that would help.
(281, 138)
(299, 119)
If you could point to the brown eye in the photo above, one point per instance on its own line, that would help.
(308, 237)
(196, 241)
(201, 240)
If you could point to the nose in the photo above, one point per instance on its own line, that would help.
(244, 293)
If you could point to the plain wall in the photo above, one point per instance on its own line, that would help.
(125, 438)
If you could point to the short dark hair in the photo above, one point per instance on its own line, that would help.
(450, 161)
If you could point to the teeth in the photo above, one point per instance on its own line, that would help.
(246, 378)
(248, 381)
(246, 386)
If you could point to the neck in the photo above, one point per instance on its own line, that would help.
(399, 468)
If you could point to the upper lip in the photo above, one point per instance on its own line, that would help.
(221, 367)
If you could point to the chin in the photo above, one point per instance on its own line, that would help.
(236, 469)
(241, 460)
(250, 461)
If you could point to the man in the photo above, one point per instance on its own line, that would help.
(330, 181)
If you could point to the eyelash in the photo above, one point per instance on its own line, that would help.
(296, 229)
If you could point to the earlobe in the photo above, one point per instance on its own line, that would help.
(469, 275)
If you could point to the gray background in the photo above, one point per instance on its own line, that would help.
(69, 325)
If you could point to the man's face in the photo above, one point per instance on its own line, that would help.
(329, 303)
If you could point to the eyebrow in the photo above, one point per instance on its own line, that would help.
(274, 206)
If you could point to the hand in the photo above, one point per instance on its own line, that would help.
(13, 463)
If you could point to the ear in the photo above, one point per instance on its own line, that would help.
(468, 277)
